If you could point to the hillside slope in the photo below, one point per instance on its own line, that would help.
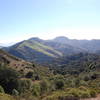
(13, 62)
(91, 46)
(41, 51)
(77, 63)
(46, 51)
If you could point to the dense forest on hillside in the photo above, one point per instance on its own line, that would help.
(68, 78)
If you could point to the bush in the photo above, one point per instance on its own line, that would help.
(15, 92)
(29, 75)
(36, 90)
(44, 85)
(59, 84)
(86, 78)
(1, 89)
(8, 79)
(24, 85)
(79, 92)
(93, 93)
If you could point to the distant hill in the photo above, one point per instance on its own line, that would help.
(40, 51)
(46, 51)
(91, 46)
(1, 47)
(33, 50)
(65, 49)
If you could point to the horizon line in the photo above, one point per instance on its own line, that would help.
(14, 42)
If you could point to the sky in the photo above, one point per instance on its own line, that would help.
(75, 19)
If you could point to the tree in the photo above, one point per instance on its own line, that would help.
(8, 79)
(59, 84)
(29, 75)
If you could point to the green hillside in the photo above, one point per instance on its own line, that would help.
(39, 47)
(33, 50)
(41, 51)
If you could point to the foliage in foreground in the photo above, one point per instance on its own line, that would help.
(42, 83)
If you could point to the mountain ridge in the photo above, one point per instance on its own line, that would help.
(43, 51)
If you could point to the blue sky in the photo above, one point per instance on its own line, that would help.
(22, 19)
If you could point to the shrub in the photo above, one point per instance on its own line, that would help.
(1, 89)
(8, 79)
(59, 84)
(93, 93)
(86, 78)
(24, 85)
(15, 92)
(36, 89)
(44, 85)
(80, 93)
(29, 75)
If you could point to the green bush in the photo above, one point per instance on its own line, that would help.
(93, 93)
(45, 86)
(8, 79)
(24, 85)
(1, 89)
(59, 84)
(36, 90)
(79, 92)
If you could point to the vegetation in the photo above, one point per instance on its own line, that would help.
(1, 89)
(72, 77)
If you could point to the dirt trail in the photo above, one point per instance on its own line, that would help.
(97, 98)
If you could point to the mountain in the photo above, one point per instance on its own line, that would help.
(65, 49)
(34, 50)
(91, 46)
(61, 39)
(1, 47)
(41, 51)
(46, 51)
